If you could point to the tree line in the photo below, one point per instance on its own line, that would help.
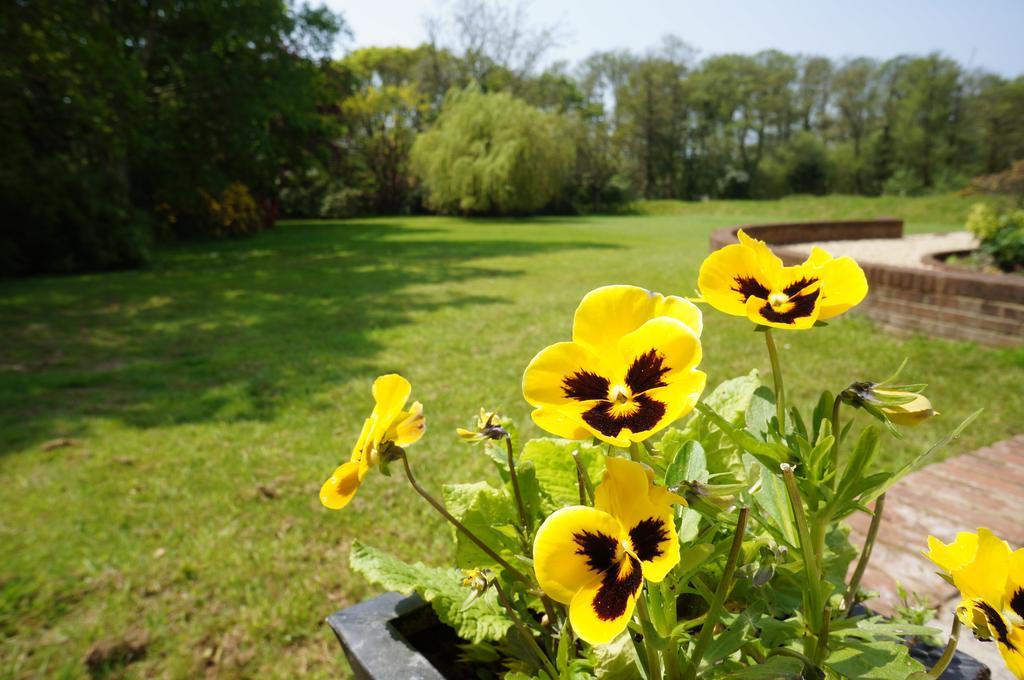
(125, 123)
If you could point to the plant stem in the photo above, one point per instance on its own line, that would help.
(707, 630)
(821, 649)
(865, 555)
(583, 481)
(780, 391)
(523, 518)
(812, 594)
(641, 656)
(650, 634)
(836, 406)
(525, 632)
(437, 505)
(947, 654)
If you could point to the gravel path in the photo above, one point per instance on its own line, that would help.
(903, 252)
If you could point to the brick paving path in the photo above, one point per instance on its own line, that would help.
(984, 488)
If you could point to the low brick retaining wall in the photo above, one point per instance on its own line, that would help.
(962, 305)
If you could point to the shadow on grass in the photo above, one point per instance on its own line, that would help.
(229, 331)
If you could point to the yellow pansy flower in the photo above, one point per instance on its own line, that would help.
(748, 279)
(387, 425)
(629, 371)
(596, 559)
(990, 578)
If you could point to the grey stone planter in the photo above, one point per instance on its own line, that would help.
(394, 637)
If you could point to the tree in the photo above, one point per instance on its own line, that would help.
(383, 113)
(490, 153)
(119, 115)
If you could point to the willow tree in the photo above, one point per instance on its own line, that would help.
(490, 153)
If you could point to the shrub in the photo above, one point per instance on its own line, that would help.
(1001, 235)
(1009, 181)
(492, 154)
(234, 212)
(64, 221)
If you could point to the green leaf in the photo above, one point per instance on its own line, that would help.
(775, 668)
(490, 514)
(877, 628)
(745, 440)
(728, 641)
(873, 661)
(760, 410)
(615, 660)
(732, 397)
(689, 465)
(769, 493)
(483, 619)
(556, 470)
(692, 557)
(776, 633)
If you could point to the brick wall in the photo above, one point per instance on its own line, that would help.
(962, 305)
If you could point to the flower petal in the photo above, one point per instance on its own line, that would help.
(565, 372)
(955, 556)
(390, 392)
(912, 413)
(985, 576)
(342, 485)
(680, 397)
(645, 512)
(572, 547)
(800, 313)
(409, 426)
(1014, 595)
(602, 608)
(621, 424)
(606, 314)
(730, 275)
(672, 342)
(843, 283)
(1013, 653)
(562, 421)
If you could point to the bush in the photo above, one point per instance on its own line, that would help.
(492, 154)
(68, 221)
(1001, 235)
(1009, 181)
(903, 182)
(234, 212)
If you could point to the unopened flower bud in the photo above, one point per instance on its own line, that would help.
(913, 412)
(899, 405)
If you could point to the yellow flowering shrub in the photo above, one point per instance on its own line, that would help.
(233, 213)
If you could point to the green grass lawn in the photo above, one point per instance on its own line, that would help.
(208, 396)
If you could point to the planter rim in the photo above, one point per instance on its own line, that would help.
(377, 650)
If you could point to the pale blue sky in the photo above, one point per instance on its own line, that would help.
(983, 33)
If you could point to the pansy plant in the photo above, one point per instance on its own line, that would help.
(556, 567)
